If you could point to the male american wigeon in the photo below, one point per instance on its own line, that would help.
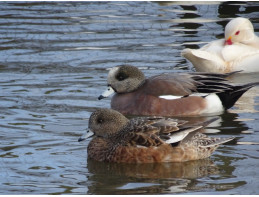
(170, 94)
(146, 139)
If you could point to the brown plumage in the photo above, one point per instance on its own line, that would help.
(146, 139)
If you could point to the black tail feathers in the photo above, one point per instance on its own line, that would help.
(229, 97)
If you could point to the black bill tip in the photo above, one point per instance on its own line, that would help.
(101, 97)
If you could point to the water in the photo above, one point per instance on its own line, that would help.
(54, 58)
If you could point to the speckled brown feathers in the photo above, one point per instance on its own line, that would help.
(147, 140)
(148, 131)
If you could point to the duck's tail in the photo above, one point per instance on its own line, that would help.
(213, 141)
(229, 97)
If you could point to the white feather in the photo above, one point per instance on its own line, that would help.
(179, 136)
(199, 94)
(170, 97)
(214, 104)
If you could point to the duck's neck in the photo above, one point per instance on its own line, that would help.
(256, 42)
(253, 42)
(122, 137)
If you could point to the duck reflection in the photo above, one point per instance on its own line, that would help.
(191, 169)
(114, 178)
(231, 124)
(248, 101)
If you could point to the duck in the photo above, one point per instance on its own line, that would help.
(238, 51)
(170, 94)
(146, 139)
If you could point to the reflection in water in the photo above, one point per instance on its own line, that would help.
(230, 125)
(247, 102)
(110, 176)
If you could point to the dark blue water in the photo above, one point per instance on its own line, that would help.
(54, 59)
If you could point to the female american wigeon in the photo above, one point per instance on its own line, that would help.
(170, 94)
(146, 139)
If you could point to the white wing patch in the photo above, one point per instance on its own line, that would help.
(172, 97)
(199, 94)
(179, 136)
(214, 104)
(176, 138)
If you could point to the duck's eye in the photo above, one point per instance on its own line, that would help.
(121, 76)
(100, 120)
(237, 33)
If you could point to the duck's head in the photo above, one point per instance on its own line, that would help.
(239, 30)
(105, 123)
(123, 79)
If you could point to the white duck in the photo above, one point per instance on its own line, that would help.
(238, 51)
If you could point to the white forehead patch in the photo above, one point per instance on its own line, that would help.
(112, 74)
(113, 70)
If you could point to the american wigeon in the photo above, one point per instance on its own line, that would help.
(146, 139)
(171, 94)
(239, 50)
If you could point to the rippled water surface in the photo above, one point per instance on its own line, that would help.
(54, 59)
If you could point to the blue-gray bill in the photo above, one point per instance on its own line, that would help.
(86, 135)
(109, 91)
